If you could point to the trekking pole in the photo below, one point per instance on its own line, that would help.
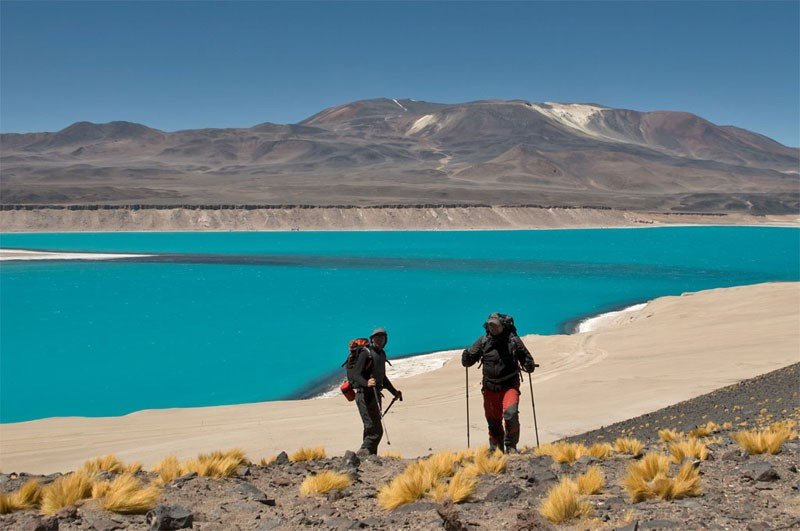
(385, 411)
(466, 385)
(533, 405)
(378, 402)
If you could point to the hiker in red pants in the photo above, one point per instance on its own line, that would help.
(502, 354)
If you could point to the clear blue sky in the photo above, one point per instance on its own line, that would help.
(181, 65)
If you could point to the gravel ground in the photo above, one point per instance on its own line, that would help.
(739, 491)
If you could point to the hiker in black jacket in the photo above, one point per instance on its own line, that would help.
(503, 354)
(369, 379)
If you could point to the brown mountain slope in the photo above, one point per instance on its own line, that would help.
(388, 151)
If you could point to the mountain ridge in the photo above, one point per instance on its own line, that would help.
(407, 151)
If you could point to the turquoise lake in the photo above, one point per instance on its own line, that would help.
(226, 318)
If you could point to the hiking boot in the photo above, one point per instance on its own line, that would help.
(511, 450)
(493, 447)
(363, 452)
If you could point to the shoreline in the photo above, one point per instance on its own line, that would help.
(677, 348)
(21, 255)
(346, 218)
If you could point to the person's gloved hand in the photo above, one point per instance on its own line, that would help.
(529, 367)
(399, 395)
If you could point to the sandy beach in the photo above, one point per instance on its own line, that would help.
(21, 254)
(672, 349)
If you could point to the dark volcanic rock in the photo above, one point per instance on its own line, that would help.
(37, 523)
(760, 471)
(282, 459)
(504, 492)
(350, 460)
(166, 517)
(106, 524)
(251, 492)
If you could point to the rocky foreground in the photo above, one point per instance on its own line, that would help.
(739, 491)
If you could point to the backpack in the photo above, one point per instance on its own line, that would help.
(350, 363)
(507, 322)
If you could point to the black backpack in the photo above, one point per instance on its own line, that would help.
(506, 320)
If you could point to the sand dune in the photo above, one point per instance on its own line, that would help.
(674, 349)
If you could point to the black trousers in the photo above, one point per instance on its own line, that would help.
(370, 411)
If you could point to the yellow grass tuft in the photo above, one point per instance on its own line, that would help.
(127, 495)
(133, 468)
(727, 425)
(467, 454)
(765, 441)
(629, 445)
(100, 489)
(442, 464)
(691, 448)
(107, 463)
(650, 478)
(601, 450)
(66, 490)
(266, 461)
(592, 481)
(562, 503)
(308, 454)
(705, 430)
(29, 496)
(462, 486)
(391, 455)
(486, 463)
(669, 435)
(407, 487)
(168, 469)
(325, 481)
(216, 464)
(5, 505)
(563, 452)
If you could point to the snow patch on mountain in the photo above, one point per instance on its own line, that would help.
(573, 115)
(398, 103)
(422, 123)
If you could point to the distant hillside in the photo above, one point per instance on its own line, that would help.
(387, 151)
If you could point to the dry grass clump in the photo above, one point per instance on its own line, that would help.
(488, 463)
(325, 481)
(601, 450)
(442, 464)
(5, 505)
(127, 495)
(430, 476)
(705, 430)
(266, 461)
(649, 478)
(629, 445)
(563, 503)
(107, 463)
(168, 469)
(133, 468)
(407, 487)
(693, 448)
(389, 454)
(28, 496)
(460, 488)
(308, 454)
(66, 490)
(467, 454)
(591, 482)
(669, 435)
(765, 441)
(216, 464)
(563, 452)
(100, 489)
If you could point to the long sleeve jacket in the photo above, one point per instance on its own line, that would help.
(502, 356)
(371, 363)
